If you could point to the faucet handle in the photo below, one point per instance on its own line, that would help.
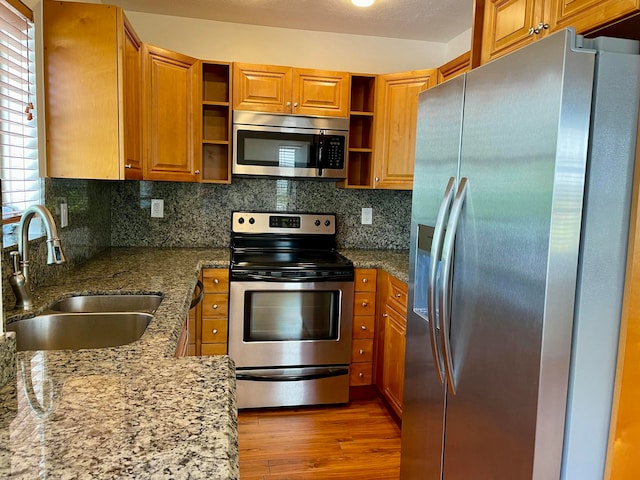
(15, 260)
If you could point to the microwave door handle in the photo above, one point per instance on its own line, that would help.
(320, 153)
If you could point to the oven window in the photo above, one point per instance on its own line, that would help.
(291, 315)
(271, 149)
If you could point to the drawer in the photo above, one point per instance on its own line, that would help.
(362, 350)
(214, 331)
(363, 326)
(360, 374)
(397, 295)
(365, 280)
(364, 303)
(215, 280)
(215, 305)
(213, 349)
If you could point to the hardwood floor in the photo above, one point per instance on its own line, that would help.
(359, 441)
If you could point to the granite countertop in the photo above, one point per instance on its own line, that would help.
(133, 411)
(125, 412)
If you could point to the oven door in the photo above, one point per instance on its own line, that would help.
(290, 324)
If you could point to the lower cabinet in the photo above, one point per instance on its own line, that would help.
(364, 310)
(211, 326)
(182, 349)
(390, 339)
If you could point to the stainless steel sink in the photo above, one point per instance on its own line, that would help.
(108, 303)
(73, 331)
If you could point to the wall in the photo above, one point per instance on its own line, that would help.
(223, 41)
(198, 215)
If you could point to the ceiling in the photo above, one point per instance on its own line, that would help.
(425, 20)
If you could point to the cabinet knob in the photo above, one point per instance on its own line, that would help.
(365, 280)
(377, 179)
(364, 304)
(295, 105)
(127, 165)
(363, 327)
(361, 352)
(288, 104)
(214, 331)
(536, 30)
(215, 306)
(398, 295)
(197, 172)
(216, 281)
(361, 375)
(385, 315)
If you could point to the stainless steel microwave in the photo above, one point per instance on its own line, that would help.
(289, 145)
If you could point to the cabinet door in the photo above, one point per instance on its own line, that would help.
(132, 95)
(393, 369)
(586, 15)
(170, 83)
(262, 88)
(83, 88)
(507, 25)
(397, 114)
(317, 92)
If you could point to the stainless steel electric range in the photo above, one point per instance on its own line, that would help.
(290, 315)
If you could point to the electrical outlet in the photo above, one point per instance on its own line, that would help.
(367, 216)
(157, 208)
(64, 215)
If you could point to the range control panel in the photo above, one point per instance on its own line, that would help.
(284, 223)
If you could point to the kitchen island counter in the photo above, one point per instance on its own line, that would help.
(133, 411)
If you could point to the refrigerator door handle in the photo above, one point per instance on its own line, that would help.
(436, 251)
(445, 283)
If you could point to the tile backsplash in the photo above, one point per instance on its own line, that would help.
(199, 215)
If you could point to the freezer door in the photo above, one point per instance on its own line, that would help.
(524, 146)
(437, 156)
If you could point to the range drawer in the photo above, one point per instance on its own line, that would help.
(215, 305)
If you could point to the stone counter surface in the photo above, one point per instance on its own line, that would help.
(130, 412)
(135, 411)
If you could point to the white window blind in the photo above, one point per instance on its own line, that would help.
(21, 186)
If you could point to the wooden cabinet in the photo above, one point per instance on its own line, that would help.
(214, 314)
(510, 24)
(391, 337)
(586, 15)
(278, 89)
(92, 80)
(396, 119)
(455, 67)
(170, 85)
(182, 348)
(361, 132)
(364, 309)
(215, 124)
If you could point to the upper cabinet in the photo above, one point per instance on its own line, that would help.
(92, 102)
(170, 106)
(276, 89)
(455, 67)
(510, 24)
(396, 119)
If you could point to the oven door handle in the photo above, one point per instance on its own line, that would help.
(269, 278)
(271, 377)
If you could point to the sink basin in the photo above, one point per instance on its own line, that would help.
(108, 303)
(73, 331)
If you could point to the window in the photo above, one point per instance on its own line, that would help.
(21, 185)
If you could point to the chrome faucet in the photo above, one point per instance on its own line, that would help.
(19, 280)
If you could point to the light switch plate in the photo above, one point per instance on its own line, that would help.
(367, 216)
(157, 208)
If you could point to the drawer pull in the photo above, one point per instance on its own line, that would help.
(361, 375)
(215, 306)
(214, 331)
(363, 327)
(365, 280)
(385, 315)
(361, 352)
(216, 281)
(398, 295)
(364, 304)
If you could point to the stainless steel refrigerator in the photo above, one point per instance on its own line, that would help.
(520, 218)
